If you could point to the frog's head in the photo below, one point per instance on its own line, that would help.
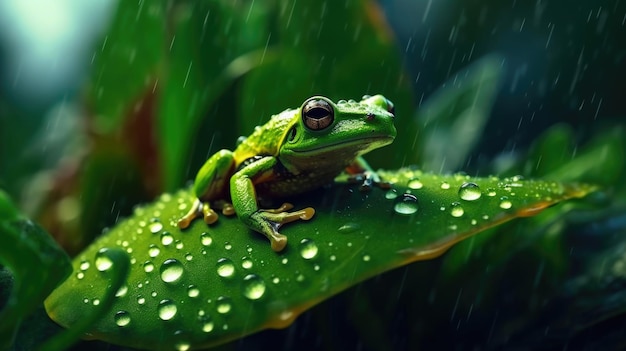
(338, 132)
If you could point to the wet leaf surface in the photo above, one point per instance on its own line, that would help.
(208, 285)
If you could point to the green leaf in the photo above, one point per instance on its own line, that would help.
(211, 284)
(36, 261)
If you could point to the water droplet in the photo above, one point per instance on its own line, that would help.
(153, 251)
(193, 291)
(155, 227)
(122, 318)
(103, 262)
(121, 292)
(179, 244)
(182, 346)
(95, 302)
(366, 258)
(80, 275)
(223, 305)
(391, 194)
(189, 257)
(84, 265)
(445, 185)
(171, 271)
(456, 210)
(505, 203)
(406, 205)
(148, 266)
(469, 191)
(246, 263)
(225, 268)
(349, 227)
(275, 280)
(207, 326)
(167, 310)
(308, 249)
(415, 184)
(228, 246)
(206, 239)
(491, 192)
(285, 260)
(253, 287)
(141, 300)
(166, 238)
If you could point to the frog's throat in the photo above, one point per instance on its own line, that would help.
(367, 143)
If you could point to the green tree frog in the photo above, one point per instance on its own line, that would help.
(298, 150)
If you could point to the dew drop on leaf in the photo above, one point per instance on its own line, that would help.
(406, 205)
(253, 287)
(167, 310)
(171, 271)
(469, 191)
(308, 249)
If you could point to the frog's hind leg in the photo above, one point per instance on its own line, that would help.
(211, 183)
(266, 222)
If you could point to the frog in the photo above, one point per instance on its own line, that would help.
(296, 151)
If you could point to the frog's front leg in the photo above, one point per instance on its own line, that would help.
(211, 183)
(266, 222)
(360, 171)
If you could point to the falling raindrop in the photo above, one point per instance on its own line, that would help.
(308, 249)
(103, 262)
(225, 268)
(469, 191)
(171, 271)
(406, 205)
(253, 287)
(167, 309)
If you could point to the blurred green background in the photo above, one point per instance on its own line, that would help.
(106, 104)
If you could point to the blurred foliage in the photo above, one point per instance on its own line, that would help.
(173, 82)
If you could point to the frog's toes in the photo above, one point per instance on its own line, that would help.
(278, 242)
(209, 215)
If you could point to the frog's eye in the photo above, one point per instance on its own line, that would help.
(390, 108)
(317, 114)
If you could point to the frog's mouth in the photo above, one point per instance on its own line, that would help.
(357, 145)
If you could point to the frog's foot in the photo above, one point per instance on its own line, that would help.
(271, 220)
(197, 210)
(226, 207)
(369, 179)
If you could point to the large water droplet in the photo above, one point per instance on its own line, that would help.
(167, 309)
(406, 205)
(171, 271)
(223, 305)
(166, 238)
(469, 191)
(206, 239)
(308, 249)
(456, 210)
(153, 251)
(155, 227)
(225, 268)
(122, 318)
(103, 262)
(253, 287)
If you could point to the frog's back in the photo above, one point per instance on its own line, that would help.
(266, 139)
